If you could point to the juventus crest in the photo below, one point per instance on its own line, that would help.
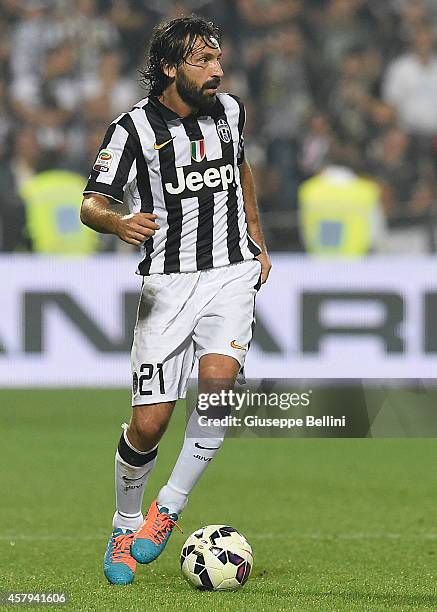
(224, 131)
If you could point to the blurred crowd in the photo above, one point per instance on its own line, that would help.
(326, 82)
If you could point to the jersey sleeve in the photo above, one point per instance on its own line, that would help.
(241, 124)
(115, 165)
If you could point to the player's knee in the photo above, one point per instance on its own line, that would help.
(214, 385)
(218, 371)
(147, 428)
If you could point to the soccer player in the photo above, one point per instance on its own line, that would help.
(177, 160)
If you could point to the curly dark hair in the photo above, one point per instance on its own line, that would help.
(172, 42)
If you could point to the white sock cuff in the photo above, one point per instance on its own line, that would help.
(126, 439)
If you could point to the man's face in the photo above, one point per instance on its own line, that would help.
(198, 78)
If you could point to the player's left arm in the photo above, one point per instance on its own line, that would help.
(253, 219)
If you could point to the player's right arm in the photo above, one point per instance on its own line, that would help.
(97, 214)
(113, 170)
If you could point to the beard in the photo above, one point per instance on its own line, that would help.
(193, 95)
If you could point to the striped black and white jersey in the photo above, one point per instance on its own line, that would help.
(186, 171)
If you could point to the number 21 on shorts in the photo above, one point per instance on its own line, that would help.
(147, 370)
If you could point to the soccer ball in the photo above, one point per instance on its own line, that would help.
(216, 558)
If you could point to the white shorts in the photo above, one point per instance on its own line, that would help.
(184, 315)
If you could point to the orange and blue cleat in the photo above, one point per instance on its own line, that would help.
(150, 539)
(119, 566)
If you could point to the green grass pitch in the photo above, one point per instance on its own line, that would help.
(334, 524)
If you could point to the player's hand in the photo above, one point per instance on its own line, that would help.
(266, 266)
(136, 228)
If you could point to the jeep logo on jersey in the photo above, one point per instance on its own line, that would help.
(194, 181)
(224, 131)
